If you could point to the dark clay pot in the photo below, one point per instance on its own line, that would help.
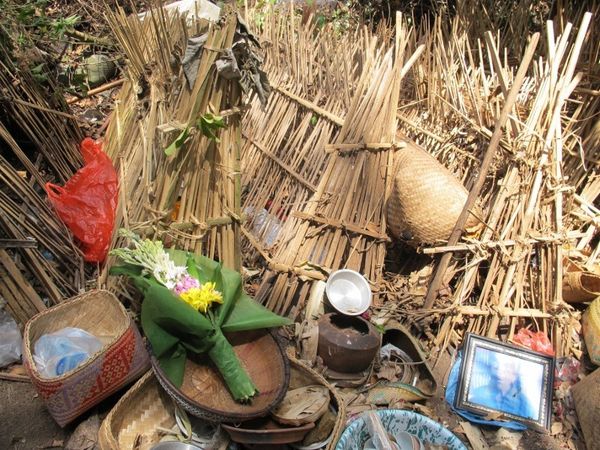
(347, 344)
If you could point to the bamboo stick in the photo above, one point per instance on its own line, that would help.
(485, 164)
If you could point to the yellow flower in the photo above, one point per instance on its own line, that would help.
(201, 298)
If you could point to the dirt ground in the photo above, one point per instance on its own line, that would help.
(24, 421)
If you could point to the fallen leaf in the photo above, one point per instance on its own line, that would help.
(387, 373)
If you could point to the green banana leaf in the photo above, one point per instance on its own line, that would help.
(239, 312)
(174, 328)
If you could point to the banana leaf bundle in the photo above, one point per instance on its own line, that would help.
(190, 301)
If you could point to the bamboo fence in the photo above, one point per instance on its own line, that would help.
(40, 265)
(538, 196)
(334, 217)
(191, 199)
(282, 154)
(530, 196)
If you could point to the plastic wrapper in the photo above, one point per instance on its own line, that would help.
(64, 350)
(10, 340)
(87, 203)
(538, 342)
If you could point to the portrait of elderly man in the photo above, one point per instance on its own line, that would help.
(504, 383)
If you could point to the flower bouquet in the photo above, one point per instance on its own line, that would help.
(189, 302)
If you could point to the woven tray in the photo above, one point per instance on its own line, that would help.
(122, 359)
(426, 199)
(303, 375)
(133, 421)
(204, 393)
(586, 395)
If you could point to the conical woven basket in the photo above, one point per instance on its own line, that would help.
(121, 360)
(591, 331)
(135, 419)
(204, 393)
(426, 199)
(586, 395)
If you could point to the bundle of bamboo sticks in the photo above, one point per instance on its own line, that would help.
(40, 265)
(191, 198)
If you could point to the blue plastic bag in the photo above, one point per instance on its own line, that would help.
(64, 350)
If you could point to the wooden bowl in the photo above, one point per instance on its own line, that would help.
(267, 432)
(204, 393)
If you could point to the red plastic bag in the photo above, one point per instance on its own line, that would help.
(87, 203)
(538, 342)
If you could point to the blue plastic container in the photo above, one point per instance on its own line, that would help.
(395, 420)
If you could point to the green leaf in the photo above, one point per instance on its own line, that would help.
(177, 143)
(249, 315)
(209, 124)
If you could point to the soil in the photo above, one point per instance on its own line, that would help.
(25, 424)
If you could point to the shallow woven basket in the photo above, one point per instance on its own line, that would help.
(426, 199)
(303, 375)
(134, 420)
(122, 359)
(586, 395)
(204, 393)
(591, 331)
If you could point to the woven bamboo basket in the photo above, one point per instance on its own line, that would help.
(586, 395)
(591, 331)
(135, 420)
(204, 394)
(579, 287)
(122, 359)
(426, 199)
(303, 375)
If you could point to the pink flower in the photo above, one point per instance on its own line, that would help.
(185, 283)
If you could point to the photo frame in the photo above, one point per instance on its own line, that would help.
(505, 382)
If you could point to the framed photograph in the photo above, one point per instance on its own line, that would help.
(503, 381)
